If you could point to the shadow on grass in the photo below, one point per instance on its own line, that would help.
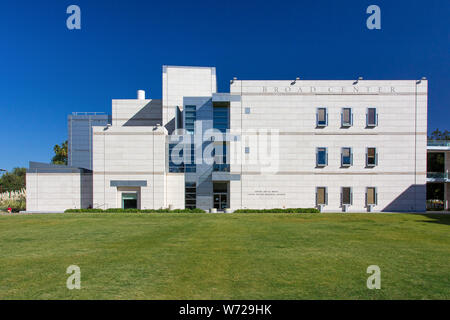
(437, 218)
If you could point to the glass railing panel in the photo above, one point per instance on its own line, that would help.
(437, 175)
(221, 167)
(438, 143)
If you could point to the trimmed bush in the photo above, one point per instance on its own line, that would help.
(82, 210)
(278, 210)
(120, 210)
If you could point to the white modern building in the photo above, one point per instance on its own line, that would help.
(339, 145)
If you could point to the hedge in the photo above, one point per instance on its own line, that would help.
(278, 210)
(118, 210)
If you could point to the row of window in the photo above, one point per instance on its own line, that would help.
(346, 117)
(220, 163)
(221, 117)
(321, 159)
(321, 196)
(346, 157)
(346, 196)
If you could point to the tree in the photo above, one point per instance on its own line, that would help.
(439, 135)
(60, 156)
(13, 180)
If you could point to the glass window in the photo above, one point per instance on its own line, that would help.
(220, 118)
(220, 158)
(180, 162)
(321, 157)
(346, 195)
(247, 149)
(321, 196)
(190, 195)
(189, 161)
(347, 117)
(321, 116)
(175, 166)
(371, 157)
(346, 157)
(190, 114)
(372, 117)
(371, 196)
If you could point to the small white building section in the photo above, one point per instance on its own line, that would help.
(54, 188)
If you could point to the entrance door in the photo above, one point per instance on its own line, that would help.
(129, 200)
(220, 201)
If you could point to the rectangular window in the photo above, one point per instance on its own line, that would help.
(371, 157)
(190, 195)
(372, 117)
(346, 117)
(176, 163)
(371, 196)
(346, 157)
(221, 118)
(321, 196)
(190, 114)
(321, 157)
(247, 149)
(321, 117)
(189, 159)
(220, 158)
(346, 196)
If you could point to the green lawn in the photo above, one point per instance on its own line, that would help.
(225, 256)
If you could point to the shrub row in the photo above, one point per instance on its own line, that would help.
(278, 210)
(136, 210)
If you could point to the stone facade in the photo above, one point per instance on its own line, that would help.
(271, 147)
(290, 109)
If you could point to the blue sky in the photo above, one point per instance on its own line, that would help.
(48, 71)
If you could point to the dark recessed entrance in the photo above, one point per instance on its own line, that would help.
(129, 200)
(220, 195)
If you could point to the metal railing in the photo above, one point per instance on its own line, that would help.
(221, 167)
(438, 143)
(437, 175)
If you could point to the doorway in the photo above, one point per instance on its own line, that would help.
(220, 201)
(220, 195)
(129, 200)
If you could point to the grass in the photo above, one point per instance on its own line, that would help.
(225, 256)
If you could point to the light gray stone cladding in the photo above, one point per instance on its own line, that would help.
(276, 128)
